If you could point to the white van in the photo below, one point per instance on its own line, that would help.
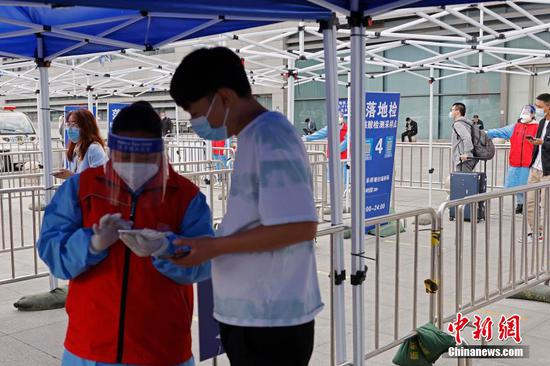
(16, 128)
(17, 136)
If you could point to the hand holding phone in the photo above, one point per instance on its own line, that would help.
(529, 138)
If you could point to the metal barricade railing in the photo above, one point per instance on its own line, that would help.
(401, 258)
(487, 262)
(319, 170)
(24, 180)
(215, 185)
(24, 162)
(412, 170)
(185, 150)
(322, 231)
(194, 166)
(20, 221)
(317, 146)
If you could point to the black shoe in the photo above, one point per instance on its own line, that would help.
(519, 209)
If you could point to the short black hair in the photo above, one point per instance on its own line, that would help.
(475, 116)
(144, 103)
(139, 116)
(461, 108)
(545, 97)
(306, 120)
(202, 72)
(407, 119)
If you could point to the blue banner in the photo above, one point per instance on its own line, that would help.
(112, 111)
(210, 344)
(381, 119)
(343, 107)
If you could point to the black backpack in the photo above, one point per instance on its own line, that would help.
(484, 149)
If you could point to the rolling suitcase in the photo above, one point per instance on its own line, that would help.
(468, 184)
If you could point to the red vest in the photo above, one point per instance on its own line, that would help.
(343, 133)
(220, 143)
(521, 150)
(123, 310)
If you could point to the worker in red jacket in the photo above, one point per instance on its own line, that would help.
(323, 133)
(127, 302)
(521, 150)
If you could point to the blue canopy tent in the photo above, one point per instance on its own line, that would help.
(45, 30)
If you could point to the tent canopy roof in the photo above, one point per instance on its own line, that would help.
(77, 27)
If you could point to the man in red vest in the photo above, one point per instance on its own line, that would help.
(127, 302)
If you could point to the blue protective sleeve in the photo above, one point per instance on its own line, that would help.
(63, 243)
(319, 135)
(503, 132)
(197, 222)
(344, 144)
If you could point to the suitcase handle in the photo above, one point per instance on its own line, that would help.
(474, 158)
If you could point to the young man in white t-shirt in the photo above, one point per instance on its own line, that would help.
(266, 292)
(540, 165)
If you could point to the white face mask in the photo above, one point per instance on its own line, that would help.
(135, 175)
(451, 115)
(525, 118)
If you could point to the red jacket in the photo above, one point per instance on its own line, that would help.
(343, 133)
(220, 143)
(521, 150)
(123, 310)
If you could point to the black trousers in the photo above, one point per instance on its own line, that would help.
(274, 346)
(408, 134)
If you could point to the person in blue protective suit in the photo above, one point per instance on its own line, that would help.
(322, 134)
(86, 147)
(521, 150)
(127, 304)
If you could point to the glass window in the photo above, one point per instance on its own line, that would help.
(15, 123)
(486, 106)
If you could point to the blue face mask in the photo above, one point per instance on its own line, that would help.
(202, 126)
(539, 114)
(74, 134)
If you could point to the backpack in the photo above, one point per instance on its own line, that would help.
(484, 149)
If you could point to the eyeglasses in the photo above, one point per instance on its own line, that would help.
(72, 123)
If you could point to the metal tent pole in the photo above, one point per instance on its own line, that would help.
(338, 335)
(89, 90)
(290, 91)
(177, 123)
(45, 129)
(431, 127)
(348, 139)
(358, 268)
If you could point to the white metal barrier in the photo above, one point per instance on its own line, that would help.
(20, 221)
(405, 303)
(517, 267)
(492, 259)
(412, 170)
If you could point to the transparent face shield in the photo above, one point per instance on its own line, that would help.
(527, 113)
(137, 166)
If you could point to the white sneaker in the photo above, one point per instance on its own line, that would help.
(530, 238)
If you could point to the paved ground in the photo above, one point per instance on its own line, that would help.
(36, 338)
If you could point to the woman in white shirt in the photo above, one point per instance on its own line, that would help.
(86, 148)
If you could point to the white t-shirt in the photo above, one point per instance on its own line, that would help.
(271, 185)
(538, 163)
(94, 157)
